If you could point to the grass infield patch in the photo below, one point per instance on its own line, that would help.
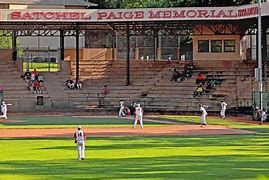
(69, 122)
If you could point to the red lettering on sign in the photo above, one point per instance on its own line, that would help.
(139, 14)
(203, 13)
(15, 15)
(179, 14)
(152, 15)
(101, 15)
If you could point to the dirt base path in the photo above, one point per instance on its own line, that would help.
(175, 130)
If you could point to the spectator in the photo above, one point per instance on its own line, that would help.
(175, 75)
(27, 75)
(35, 74)
(40, 78)
(79, 84)
(199, 90)
(36, 87)
(105, 90)
(69, 83)
(200, 79)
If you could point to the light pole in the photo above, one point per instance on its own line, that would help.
(259, 30)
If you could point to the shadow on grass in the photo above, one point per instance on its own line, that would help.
(205, 157)
(170, 167)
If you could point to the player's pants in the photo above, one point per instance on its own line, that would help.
(203, 121)
(222, 112)
(4, 114)
(81, 150)
(121, 113)
(140, 118)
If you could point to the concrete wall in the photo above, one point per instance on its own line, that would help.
(5, 54)
(208, 34)
(89, 53)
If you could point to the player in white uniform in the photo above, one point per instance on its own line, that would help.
(4, 109)
(121, 112)
(204, 114)
(223, 108)
(80, 138)
(138, 116)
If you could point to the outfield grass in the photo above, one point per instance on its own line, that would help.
(181, 157)
(203, 157)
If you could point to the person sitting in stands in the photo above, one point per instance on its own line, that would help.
(200, 79)
(35, 74)
(79, 84)
(199, 90)
(105, 90)
(40, 78)
(175, 75)
(27, 75)
(36, 87)
(69, 83)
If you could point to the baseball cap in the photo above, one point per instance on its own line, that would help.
(79, 126)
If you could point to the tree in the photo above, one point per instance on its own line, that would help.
(5, 41)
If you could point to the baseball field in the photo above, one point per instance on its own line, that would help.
(169, 147)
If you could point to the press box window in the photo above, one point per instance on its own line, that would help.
(203, 46)
(229, 46)
(216, 46)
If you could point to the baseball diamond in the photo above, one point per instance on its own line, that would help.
(134, 89)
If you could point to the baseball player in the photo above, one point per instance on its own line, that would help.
(4, 109)
(79, 138)
(121, 112)
(138, 116)
(204, 114)
(223, 108)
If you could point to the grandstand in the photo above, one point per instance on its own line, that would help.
(135, 68)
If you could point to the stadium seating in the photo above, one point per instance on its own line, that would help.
(15, 91)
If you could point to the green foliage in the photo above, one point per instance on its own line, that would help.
(5, 41)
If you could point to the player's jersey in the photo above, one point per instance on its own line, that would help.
(3, 107)
(121, 103)
(203, 110)
(79, 135)
(139, 111)
(223, 105)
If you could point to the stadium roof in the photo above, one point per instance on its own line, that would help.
(49, 2)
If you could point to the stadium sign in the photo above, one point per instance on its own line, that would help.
(110, 15)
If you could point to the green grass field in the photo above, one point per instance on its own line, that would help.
(183, 157)
(41, 67)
